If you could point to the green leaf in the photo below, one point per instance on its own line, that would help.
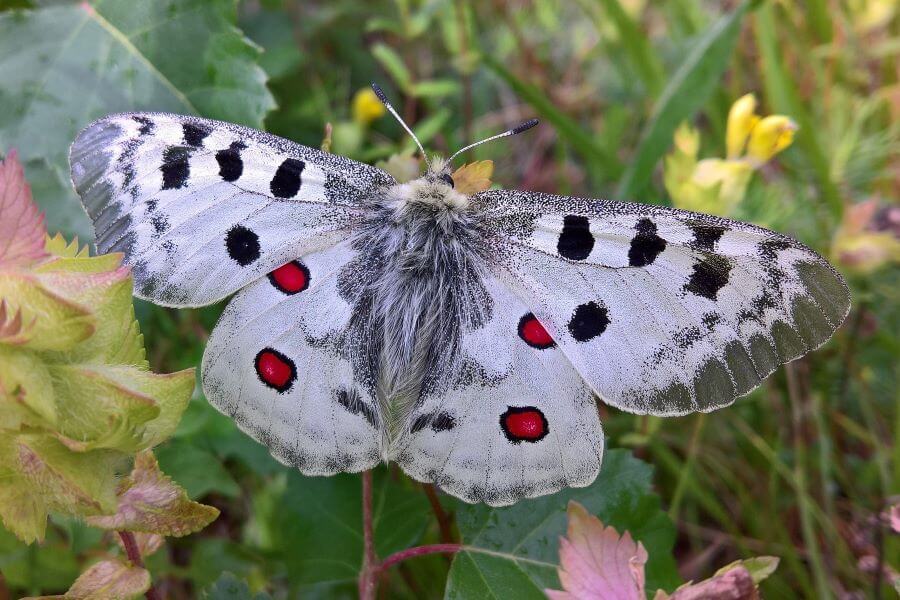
(685, 93)
(71, 64)
(229, 587)
(393, 64)
(199, 470)
(515, 549)
(589, 146)
(320, 524)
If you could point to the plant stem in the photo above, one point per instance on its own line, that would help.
(402, 555)
(134, 555)
(368, 575)
(372, 567)
(444, 520)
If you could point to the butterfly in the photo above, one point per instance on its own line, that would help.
(464, 337)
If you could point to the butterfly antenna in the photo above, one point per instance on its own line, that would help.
(515, 130)
(380, 93)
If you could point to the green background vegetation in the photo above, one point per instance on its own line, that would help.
(800, 469)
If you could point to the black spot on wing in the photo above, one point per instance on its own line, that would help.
(194, 134)
(588, 321)
(287, 179)
(175, 168)
(231, 167)
(441, 421)
(146, 125)
(242, 245)
(706, 236)
(160, 223)
(646, 245)
(575, 240)
(354, 404)
(709, 276)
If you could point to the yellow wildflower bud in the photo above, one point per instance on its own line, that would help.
(687, 139)
(731, 177)
(366, 106)
(741, 121)
(770, 136)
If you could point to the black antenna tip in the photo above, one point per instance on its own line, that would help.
(525, 126)
(380, 93)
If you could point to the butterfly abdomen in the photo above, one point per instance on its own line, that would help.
(412, 287)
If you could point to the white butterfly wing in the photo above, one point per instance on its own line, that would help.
(664, 311)
(201, 208)
(279, 363)
(512, 418)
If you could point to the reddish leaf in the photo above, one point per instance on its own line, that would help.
(150, 502)
(22, 229)
(595, 562)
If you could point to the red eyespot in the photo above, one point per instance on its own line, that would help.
(524, 424)
(275, 369)
(533, 333)
(290, 278)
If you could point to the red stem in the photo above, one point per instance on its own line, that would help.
(134, 555)
(368, 575)
(372, 567)
(402, 555)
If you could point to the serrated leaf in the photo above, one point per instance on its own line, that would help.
(150, 502)
(73, 483)
(26, 391)
(73, 63)
(596, 562)
(106, 580)
(58, 323)
(21, 223)
(515, 549)
(100, 411)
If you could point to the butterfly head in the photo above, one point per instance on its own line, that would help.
(434, 190)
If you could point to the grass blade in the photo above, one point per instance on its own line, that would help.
(685, 93)
(569, 130)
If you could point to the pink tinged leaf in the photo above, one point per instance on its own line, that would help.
(733, 584)
(150, 502)
(597, 563)
(12, 329)
(22, 229)
(111, 579)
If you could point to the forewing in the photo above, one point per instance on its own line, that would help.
(201, 208)
(278, 363)
(664, 311)
(512, 419)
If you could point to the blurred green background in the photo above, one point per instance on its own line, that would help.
(801, 469)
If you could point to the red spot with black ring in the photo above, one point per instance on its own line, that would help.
(533, 333)
(524, 424)
(290, 278)
(275, 369)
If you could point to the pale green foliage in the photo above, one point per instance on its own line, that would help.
(77, 397)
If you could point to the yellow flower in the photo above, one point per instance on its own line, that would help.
(717, 185)
(742, 119)
(366, 106)
(770, 136)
